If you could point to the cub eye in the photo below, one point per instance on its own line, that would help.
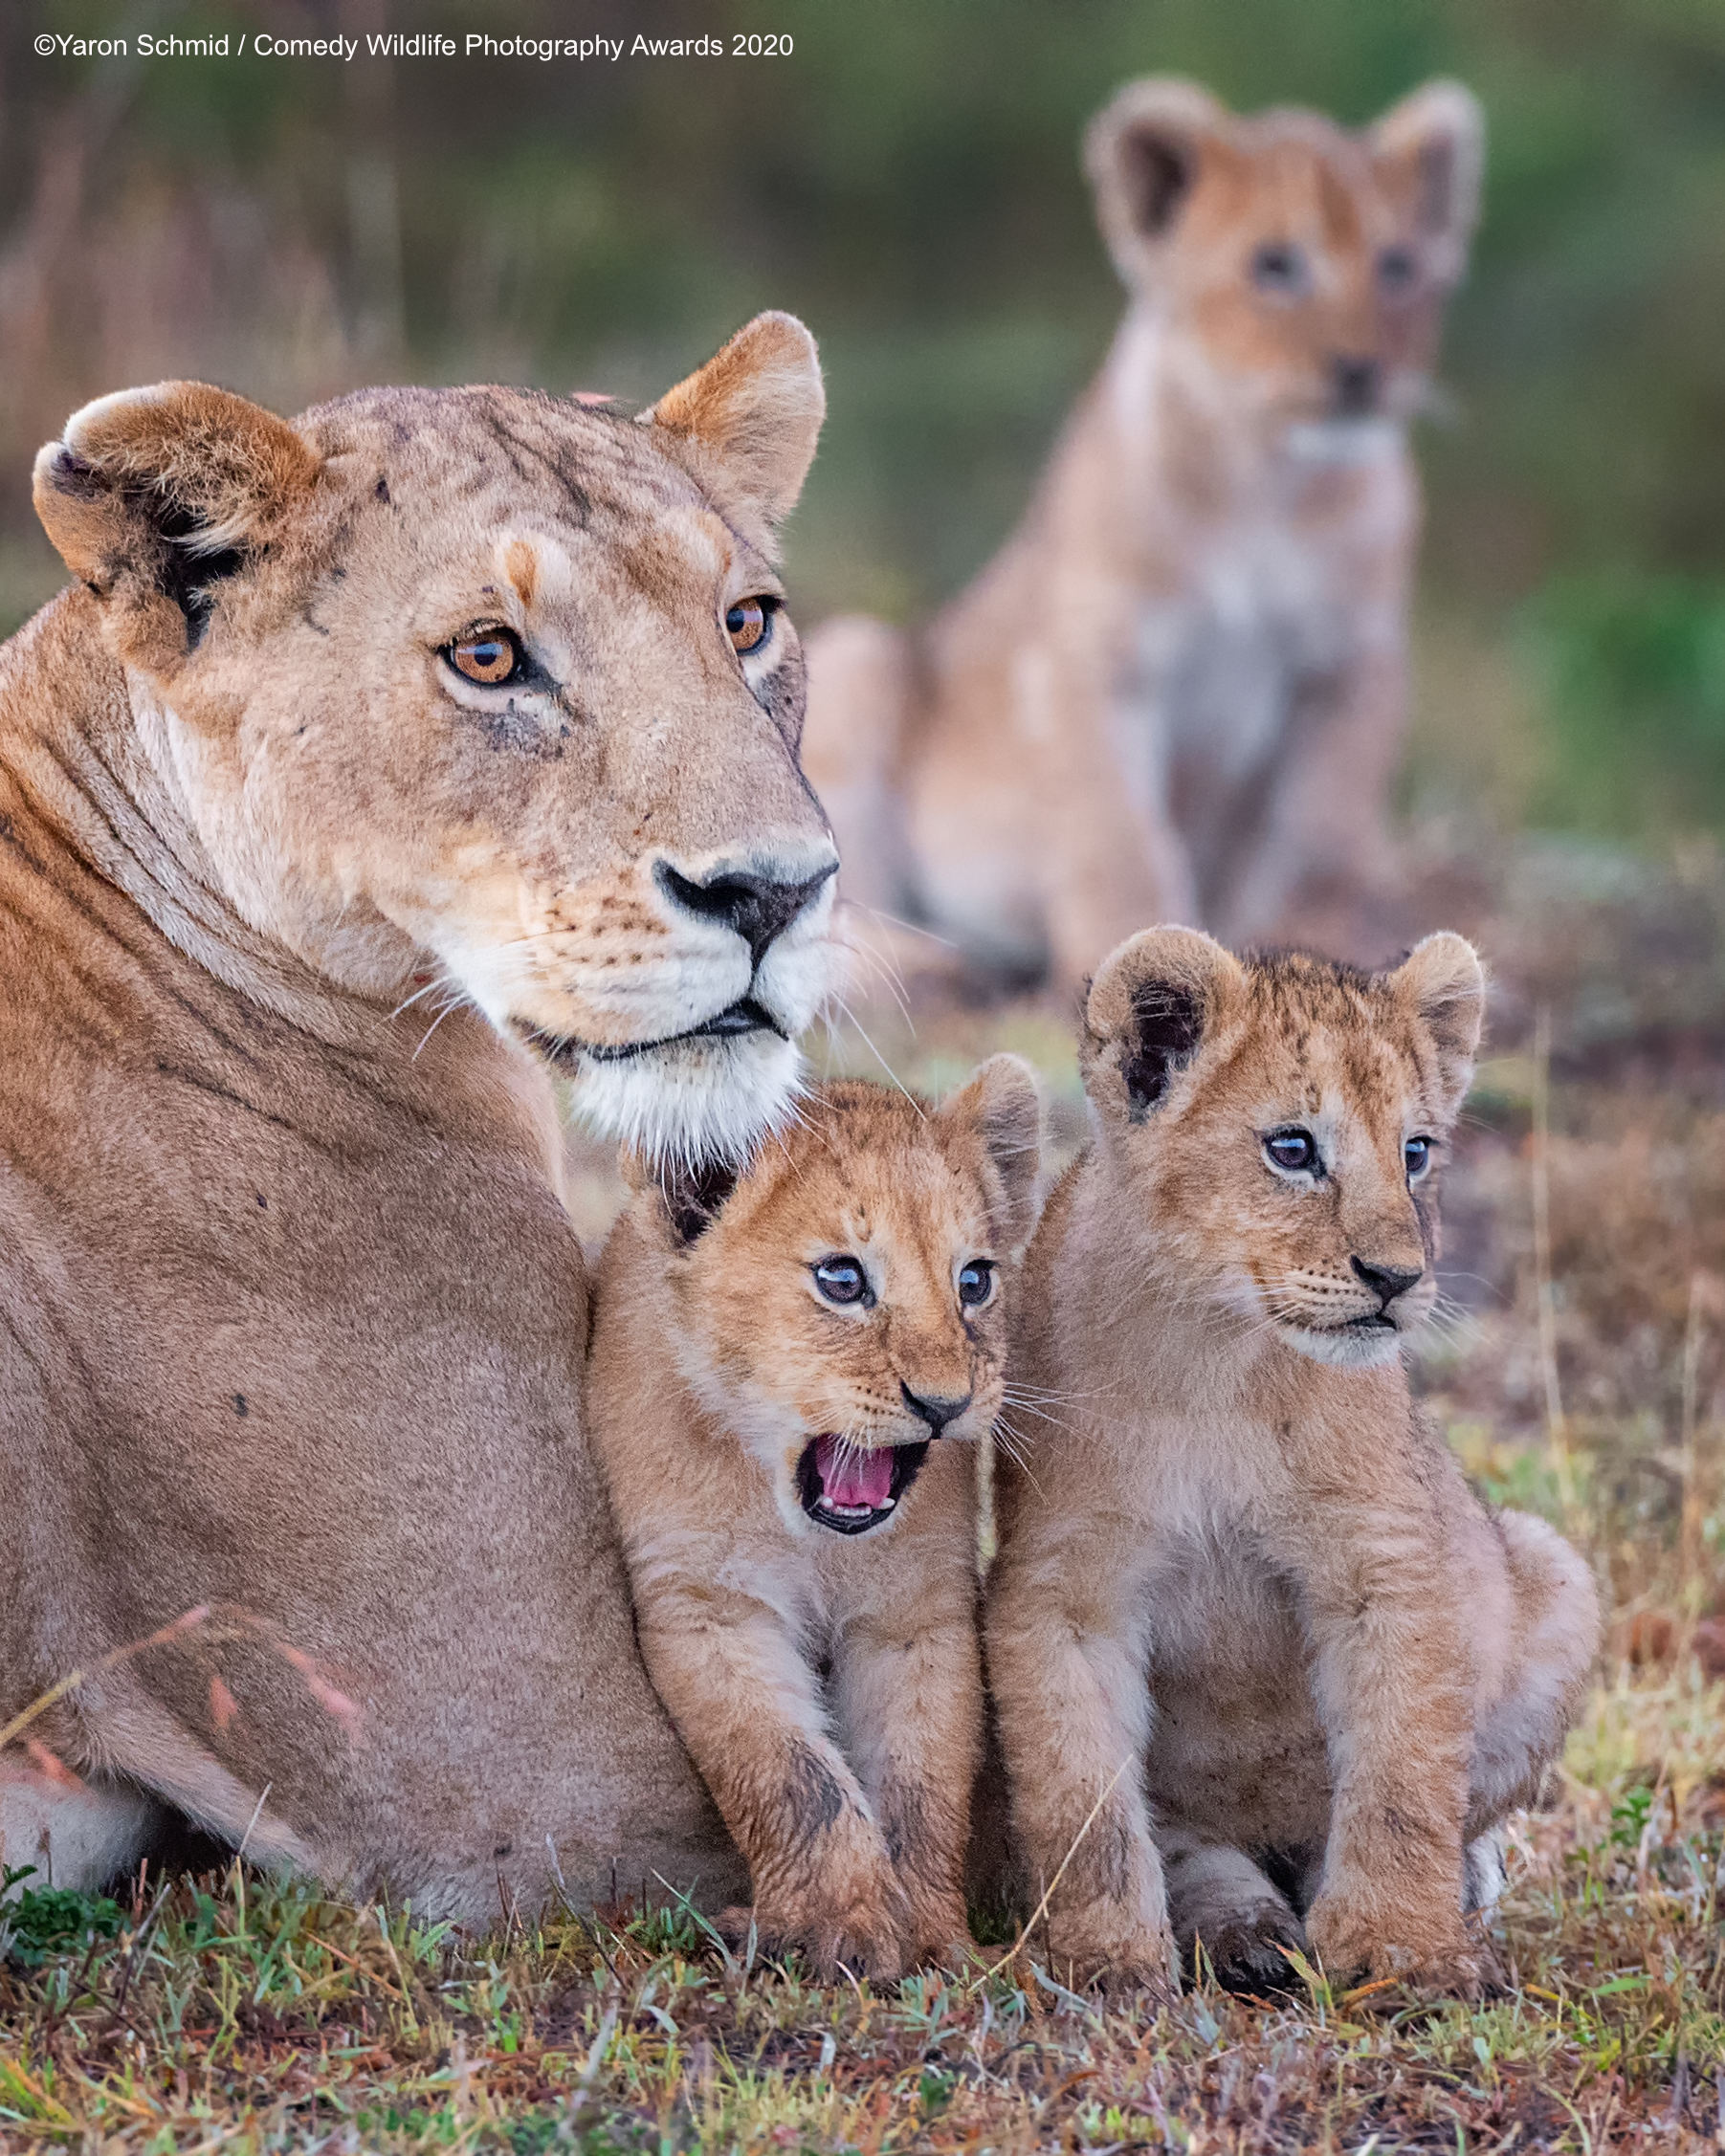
(976, 1283)
(841, 1280)
(1416, 1155)
(1396, 267)
(491, 656)
(1291, 1150)
(1278, 266)
(749, 622)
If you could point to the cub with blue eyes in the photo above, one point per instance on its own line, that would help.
(785, 1366)
(1268, 1676)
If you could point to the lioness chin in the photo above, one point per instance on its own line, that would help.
(380, 766)
(1269, 1675)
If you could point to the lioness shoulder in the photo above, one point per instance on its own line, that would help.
(784, 1366)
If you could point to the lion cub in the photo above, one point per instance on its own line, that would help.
(1245, 1598)
(1177, 690)
(781, 1366)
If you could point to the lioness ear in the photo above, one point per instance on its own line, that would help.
(1440, 133)
(153, 495)
(756, 406)
(1143, 152)
(1147, 1012)
(1443, 984)
(1004, 1103)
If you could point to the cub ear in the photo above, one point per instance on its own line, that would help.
(692, 1197)
(1148, 1010)
(1002, 1101)
(1144, 153)
(1438, 134)
(152, 496)
(757, 409)
(1444, 985)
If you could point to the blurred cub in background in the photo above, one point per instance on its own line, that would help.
(1177, 694)
(782, 1366)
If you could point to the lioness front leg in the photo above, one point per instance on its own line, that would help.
(744, 1702)
(908, 1689)
(1069, 1686)
(1392, 1678)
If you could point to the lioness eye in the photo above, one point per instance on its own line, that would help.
(976, 1282)
(747, 622)
(841, 1280)
(1396, 267)
(491, 656)
(1279, 267)
(1292, 1150)
(1417, 1154)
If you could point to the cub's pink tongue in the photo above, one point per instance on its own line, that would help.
(858, 1481)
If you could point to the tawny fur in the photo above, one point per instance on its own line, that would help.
(1177, 692)
(1245, 1597)
(294, 924)
(827, 1685)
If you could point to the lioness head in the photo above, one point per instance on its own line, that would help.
(1306, 265)
(843, 1303)
(1275, 1126)
(493, 690)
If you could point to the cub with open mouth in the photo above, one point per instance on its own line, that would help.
(782, 1363)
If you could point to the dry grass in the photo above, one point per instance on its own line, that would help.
(231, 2012)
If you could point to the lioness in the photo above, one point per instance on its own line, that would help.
(1246, 1610)
(780, 1368)
(1178, 691)
(476, 693)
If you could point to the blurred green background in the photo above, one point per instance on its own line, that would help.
(907, 180)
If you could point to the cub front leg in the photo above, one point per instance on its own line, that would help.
(1393, 1682)
(744, 1702)
(1068, 1672)
(908, 1692)
(1101, 840)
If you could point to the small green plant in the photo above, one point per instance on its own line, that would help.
(50, 1919)
(1629, 1817)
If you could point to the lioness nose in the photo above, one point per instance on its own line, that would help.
(933, 1408)
(757, 908)
(1387, 1282)
(1356, 384)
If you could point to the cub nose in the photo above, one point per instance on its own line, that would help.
(1354, 383)
(933, 1408)
(1387, 1282)
(757, 908)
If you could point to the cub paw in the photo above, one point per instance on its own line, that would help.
(827, 1942)
(1134, 1964)
(955, 1951)
(1438, 1958)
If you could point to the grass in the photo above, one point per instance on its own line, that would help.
(233, 2011)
